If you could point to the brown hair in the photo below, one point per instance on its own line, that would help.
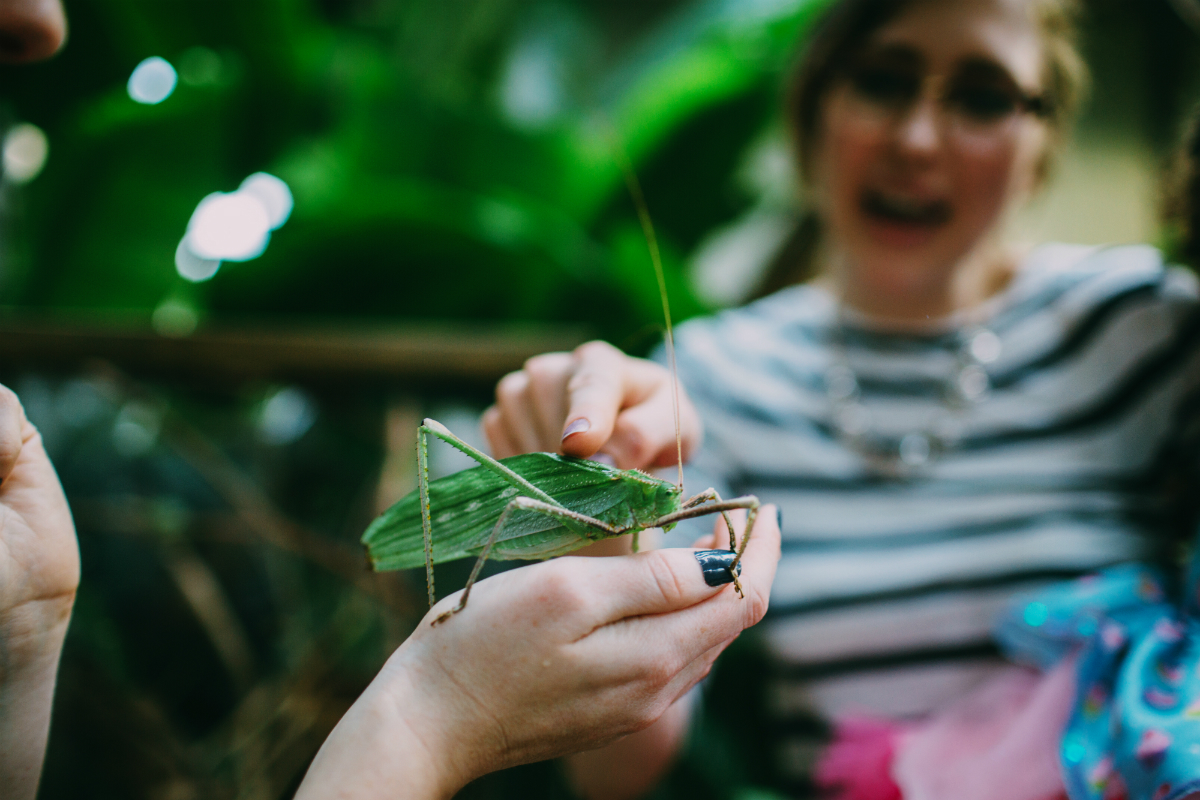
(838, 35)
(1181, 206)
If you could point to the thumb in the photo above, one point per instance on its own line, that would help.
(671, 579)
(662, 581)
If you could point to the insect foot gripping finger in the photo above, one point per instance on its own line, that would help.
(443, 617)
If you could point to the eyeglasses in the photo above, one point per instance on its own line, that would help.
(980, 102)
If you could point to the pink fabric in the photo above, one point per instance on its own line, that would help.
(857, 766)
(998, 743)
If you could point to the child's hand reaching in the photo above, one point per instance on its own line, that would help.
(593, 400)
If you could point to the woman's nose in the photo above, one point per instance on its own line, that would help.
(30, 29)
(919, 131)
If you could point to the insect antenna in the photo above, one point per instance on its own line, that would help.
(639, 203)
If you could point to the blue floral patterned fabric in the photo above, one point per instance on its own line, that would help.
(1135, 728)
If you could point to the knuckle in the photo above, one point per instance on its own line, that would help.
(659, 667)
(547, 367)
(589, 380)
(595, 349)
(510, 387)
(659, 673)
(665, 578)
(632, 448)
(562, 586)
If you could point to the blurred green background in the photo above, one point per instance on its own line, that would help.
(449, 160)
(458, 206)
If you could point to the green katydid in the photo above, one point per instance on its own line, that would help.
(539, 505)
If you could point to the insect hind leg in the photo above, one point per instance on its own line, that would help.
(519, 503)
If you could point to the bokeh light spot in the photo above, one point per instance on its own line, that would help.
(274, 194)
(286, 416)
(200, 66)
(1036, 614)
(174, 318)
(24, 152)
(229, 227)
(531, 92)
(152, 81)
(191, 266)
(135, 430)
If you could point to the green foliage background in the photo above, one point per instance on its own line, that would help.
(417, 197)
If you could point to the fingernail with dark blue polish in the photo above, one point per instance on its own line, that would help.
(715, 566)
(779, 517)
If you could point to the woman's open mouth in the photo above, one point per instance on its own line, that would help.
(905, 211)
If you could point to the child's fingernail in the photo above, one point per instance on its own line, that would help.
(715, 566)
(779, 517)
(580, 425)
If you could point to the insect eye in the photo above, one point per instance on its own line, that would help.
(889, 86)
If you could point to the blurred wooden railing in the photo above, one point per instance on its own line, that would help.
(412, 353)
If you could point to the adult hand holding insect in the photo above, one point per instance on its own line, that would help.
(554, 658)
(593, 400)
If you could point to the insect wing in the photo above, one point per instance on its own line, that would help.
(466, 505)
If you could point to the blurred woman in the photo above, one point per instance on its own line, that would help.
(945, 419)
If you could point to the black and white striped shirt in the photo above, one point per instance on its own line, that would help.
(890, 582)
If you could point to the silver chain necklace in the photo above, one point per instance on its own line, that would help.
(914, 452)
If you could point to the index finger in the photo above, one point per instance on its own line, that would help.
(604, 382)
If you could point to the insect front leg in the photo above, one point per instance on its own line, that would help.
(749, 502)
(432, 426)
(555, 511)
(707, 496)
(426, 521)
(513, 479)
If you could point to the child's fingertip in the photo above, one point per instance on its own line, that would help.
(581, 425)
